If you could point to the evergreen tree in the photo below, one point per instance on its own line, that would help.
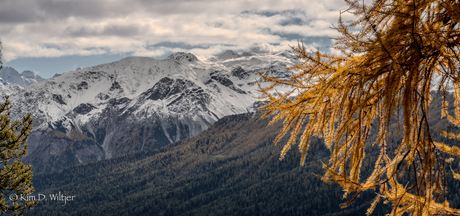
(15, 177)
(403, 49)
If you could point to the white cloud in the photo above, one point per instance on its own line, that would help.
(156, 52)
(261, 48)
(54, 28)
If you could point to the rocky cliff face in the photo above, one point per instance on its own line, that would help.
(138, 103)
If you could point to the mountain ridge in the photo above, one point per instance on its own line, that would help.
(12, 81)
(115, 106)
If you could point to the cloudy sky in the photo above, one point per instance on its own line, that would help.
(55, 36)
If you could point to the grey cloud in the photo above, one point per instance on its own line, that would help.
(81, 8)
(30, 10)
(6, 29)
(292, 17)
(109, 30)
(177, 6)
(124, 30)
(68, 27)
(79, 32)
(102, 8)
(15, 16)
(18, 11)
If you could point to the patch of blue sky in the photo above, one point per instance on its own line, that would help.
(61, 64)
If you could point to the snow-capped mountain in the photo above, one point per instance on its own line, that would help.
(10, 76)
(12, 81)
(138, 103)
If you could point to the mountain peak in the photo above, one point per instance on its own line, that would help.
(10, 76)
(183, 57)
(56, 75)
(229, 54)
(31, 74)
(9, 71)
(134, 59)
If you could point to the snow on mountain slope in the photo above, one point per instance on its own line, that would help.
(12, 77)
(7, 89)
(138, 103)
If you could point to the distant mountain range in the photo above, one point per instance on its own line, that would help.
(137, 103)
(12, 81)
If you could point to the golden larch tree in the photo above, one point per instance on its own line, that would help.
(401, 52)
